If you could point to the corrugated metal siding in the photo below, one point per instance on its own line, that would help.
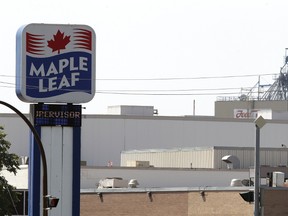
(274, 157)
(172, 159)
(245, 157)
(206, 157)
(269, 157)
(248, 158)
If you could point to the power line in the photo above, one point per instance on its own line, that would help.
(166, 78)
(171, 90)
(167, 94)
(143, 90)
(157, 91)
(182, 78)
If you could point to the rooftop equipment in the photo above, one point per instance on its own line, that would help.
(232, 161)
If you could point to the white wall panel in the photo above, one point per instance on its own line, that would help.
(17, 133)
(102, 140)
(105, 136)
(57, 142)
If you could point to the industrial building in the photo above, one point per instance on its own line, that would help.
(226, 107)
(181, 202)
(182, 163)
(104, 137)
(168, 192)
(206, 157)
(272, 97)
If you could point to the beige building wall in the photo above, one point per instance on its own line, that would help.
(165, 203)
(135, 204)
(183, 203)
(274, 201)
(224, 203)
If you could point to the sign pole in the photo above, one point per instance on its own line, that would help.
(56, 65)
(259, 123)
(257, 173)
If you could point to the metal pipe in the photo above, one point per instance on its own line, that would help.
(257, 172)
(42, 152)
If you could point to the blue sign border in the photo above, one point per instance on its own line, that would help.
(46, 85)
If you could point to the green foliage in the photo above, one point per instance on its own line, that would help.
(10, 162)
(6, 196)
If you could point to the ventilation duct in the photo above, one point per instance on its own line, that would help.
(232, 161)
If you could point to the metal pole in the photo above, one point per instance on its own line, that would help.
(257, 172)
(42, 152)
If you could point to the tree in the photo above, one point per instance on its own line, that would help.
(8, 197)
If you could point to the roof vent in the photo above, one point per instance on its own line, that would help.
(232, 161)
(23, 160)
(236, 183)
(133, 183)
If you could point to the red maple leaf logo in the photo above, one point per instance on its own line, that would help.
(59, 42)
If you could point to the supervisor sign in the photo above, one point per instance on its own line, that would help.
(55, 63)
(57, 115)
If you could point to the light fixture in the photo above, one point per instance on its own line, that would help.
(203, 195)
(149, 194)
(100, 195)
(260, 122)
(51, 202)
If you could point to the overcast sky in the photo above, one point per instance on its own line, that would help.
(173, 46)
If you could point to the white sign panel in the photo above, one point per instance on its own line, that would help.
(245, 114)
(55, 63)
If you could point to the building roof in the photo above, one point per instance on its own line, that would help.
(201, 148)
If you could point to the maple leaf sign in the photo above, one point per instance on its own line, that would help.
(59, 42)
